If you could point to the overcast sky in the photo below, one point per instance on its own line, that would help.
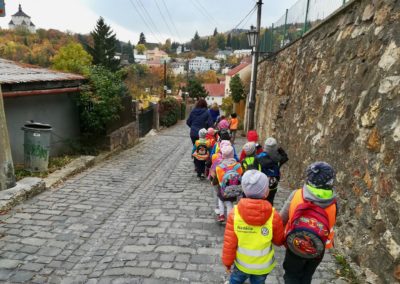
(158, 19)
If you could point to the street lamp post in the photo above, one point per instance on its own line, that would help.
(253, 37)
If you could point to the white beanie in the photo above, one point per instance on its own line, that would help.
(227, 152)
(202, 133)
(255, 184)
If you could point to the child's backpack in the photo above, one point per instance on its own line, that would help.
(268, 166)
(230, 186)
(201, 153)
(250, 163)
(308, 231)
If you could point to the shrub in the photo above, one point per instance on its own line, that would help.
(170, 111)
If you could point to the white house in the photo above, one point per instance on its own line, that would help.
(242, 53)
(201, 64)
(243, 70)
(178, 68)
(215, 93)
(21, 20)
(223, 54)
(140, 58)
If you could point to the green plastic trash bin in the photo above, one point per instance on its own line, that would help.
(36, 146)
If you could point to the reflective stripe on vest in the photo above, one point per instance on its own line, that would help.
(330, 211)
(255, 253)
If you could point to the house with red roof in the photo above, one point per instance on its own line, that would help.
(244, 72)
(216, 93)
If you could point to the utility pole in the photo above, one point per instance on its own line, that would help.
(165, 78)
(253, 84)
(7, 177)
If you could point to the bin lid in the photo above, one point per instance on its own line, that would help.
(37, 126)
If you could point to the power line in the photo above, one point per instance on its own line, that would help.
(165, 21)
(149, 17)
(170, 17)
(143, 19)
(206, 11)
(245, 17)
(202, 12)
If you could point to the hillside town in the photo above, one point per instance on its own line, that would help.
(199, 142)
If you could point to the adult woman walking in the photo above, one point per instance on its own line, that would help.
(214, 112)
(199, 118)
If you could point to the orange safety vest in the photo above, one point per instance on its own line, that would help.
(330, 211)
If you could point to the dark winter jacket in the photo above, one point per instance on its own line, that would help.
(214, 114)
(199, 118)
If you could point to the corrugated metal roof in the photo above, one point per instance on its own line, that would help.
(14, 72)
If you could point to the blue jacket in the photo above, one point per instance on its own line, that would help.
(199, 118)
(214, 114)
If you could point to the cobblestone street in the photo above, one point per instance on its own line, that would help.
(139, 217)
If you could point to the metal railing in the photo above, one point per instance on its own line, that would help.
(145, 121)
(301, 17)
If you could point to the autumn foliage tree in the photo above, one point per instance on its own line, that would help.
(72, 58)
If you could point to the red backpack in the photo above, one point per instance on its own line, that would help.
(308, 231)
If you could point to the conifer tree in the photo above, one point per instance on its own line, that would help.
(142, 39)
(104, 48)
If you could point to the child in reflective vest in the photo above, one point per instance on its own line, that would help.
(252, 228)
(250, 162)
(299, 263)
(252, 136)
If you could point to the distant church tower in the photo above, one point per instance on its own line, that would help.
(21, 20)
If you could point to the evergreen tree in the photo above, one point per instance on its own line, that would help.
(196, 42)
(237, 89)
(104, 48)
(142, 39)
(196, 36)
(229, 40)
(127, 50)
(220, 41)
(196, 90)
(215, 32)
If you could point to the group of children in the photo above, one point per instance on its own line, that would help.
(304, 224)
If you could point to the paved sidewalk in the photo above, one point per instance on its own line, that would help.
(140, 217)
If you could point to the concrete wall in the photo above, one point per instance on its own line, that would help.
(334, 95)
(58, 110)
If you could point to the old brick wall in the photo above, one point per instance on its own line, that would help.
(334, 95)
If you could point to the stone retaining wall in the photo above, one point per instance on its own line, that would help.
(334, 95)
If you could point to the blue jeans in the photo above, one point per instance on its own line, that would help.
(238, 277)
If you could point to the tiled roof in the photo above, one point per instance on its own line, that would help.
(14, 72)
(235, 70)
(215, 90)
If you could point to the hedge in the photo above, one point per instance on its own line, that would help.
(170, 111)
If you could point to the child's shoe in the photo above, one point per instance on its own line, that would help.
(221, 218)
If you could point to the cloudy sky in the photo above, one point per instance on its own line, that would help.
(158, 19)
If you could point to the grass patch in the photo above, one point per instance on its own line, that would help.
(345, 270)
(55, 163)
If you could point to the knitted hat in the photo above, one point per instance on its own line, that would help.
(255, 184)
(270, 145)
(320, 175)
(202, 133)
(223, 124)
(252, 136)
(227, 152)
(225, 143)
(210, 131)
(249, 148)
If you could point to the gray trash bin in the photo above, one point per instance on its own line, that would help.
(36, 146)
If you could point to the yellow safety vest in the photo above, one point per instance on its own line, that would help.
(255, 253)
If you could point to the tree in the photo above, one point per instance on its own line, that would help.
(72, 58)
(196, 90)
(100, 100)
(196, 42)
(237, 89)
(215, 32)
(209, 76)
(221, 41)
(127, 51)
(142, 38)
(104, 48)
(141, 48)
(229, 40)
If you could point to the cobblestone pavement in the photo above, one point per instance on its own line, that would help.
(139, 217)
